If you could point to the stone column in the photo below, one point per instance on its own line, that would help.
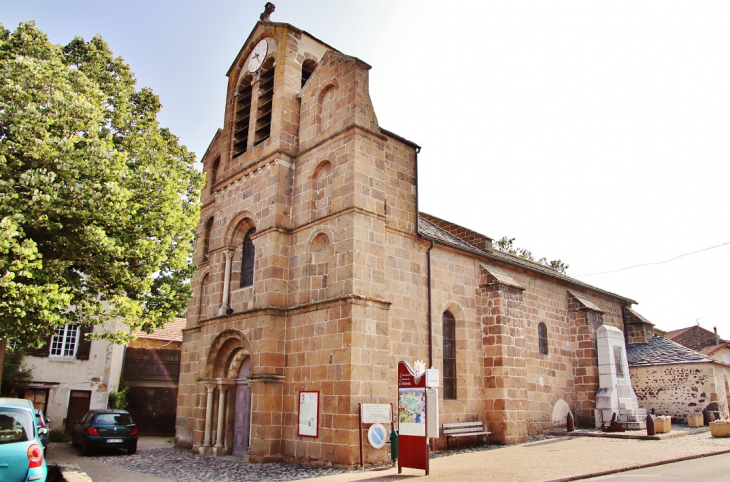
(226, 283)
(219, 447)
(205, 448)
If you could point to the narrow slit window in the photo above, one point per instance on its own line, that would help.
(543, 340)
(206, 239)
(247, 259)
(449, 331)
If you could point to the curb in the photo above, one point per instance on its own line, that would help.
(640, 466)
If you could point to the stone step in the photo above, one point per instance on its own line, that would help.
(628, 404)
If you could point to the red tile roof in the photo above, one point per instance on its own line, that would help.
(170, 332)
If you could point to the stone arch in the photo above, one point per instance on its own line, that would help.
(321, 190)
(227, 352)
(326, 105)
(237, 229)
(320, 251)
(203, 294)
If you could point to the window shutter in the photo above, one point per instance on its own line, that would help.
(84, 350)
(42, 351)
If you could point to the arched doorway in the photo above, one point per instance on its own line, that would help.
(242, 410)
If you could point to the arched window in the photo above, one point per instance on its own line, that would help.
(307, 68)
(242, 117)
(265, 102)
(247, 259)
(206, 238)
(449, 331)
(214, 173)
(542, 335)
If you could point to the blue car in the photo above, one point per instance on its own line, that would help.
(21, 449)
(105, 429)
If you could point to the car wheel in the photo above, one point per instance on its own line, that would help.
(85, 449)
(132, 449)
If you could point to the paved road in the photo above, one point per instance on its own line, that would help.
(706, 469)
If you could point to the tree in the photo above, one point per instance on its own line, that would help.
(98, 203)
(15, 375)
(506, 245)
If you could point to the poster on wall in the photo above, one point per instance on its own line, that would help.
(308, 414)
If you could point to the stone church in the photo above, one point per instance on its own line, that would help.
(316, 271)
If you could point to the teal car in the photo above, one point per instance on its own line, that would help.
(21, 449)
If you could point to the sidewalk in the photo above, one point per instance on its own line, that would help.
(555, 458)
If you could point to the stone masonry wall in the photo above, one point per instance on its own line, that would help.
(680, 389)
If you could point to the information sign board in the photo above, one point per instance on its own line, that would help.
(376, 413)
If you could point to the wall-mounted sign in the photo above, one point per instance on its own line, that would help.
(308, 414)
(377, 435)
(376, 413)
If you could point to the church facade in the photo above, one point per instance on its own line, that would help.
(316, 272)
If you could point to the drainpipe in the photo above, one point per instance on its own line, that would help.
(428, 269)
(430, 315)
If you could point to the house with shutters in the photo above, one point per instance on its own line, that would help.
(72, 375)
(317, 272)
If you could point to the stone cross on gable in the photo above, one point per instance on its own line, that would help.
(268, 10)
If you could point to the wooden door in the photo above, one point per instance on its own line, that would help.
(242, 418)
(78, 404)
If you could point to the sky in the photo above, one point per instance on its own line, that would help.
(592, 132)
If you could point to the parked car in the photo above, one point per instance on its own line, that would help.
(42, 422)
(21, 452)
(105, 429)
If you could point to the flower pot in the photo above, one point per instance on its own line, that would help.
(663, 426)
(720, 429)
(695, 420)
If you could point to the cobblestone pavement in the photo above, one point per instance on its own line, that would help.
(182, 465)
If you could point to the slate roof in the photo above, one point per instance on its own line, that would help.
(434, 233)
(170, 332)
(660, 351)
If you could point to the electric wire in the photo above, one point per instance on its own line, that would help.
(650, 264)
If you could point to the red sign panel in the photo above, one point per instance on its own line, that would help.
(412, 441)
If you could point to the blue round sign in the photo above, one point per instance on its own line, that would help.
(377, 435)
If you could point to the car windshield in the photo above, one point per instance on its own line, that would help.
(113, 419)
(16, 425)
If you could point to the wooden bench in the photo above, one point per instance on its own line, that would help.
(464, 429)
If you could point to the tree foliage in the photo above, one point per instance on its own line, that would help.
(506, 245)
(98, 203)
(15, 375)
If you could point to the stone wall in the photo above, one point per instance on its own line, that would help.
(680, 389)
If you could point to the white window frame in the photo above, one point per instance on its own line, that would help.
(65, 343)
